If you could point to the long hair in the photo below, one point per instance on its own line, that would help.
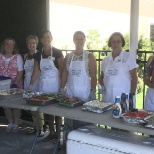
(15, 49)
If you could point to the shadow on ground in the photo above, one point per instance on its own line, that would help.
(21, 143)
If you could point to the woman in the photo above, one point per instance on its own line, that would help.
(118, 72)
(11, 65)
(79, 74)
(49, 63)
(32, 42)
(149, 81)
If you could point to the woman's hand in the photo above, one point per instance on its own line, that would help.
(101, 89)
(62, 91)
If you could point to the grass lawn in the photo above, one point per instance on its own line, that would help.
(139, 101)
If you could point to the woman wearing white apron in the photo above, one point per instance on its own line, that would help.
(79, 74)
(78, 83)
(49, 63)
(118, 72)
(149, 81)
(49, 75)
(32, 42)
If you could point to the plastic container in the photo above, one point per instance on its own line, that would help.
(5, 84)
(117, 108)
(123, 103)
(127, 101)
(132, 101)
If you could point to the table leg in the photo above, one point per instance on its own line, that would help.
(58, 131)
(37, 131)
(74, 124)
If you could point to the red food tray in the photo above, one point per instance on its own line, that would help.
(70, 102)
(41, 103)
(137, 117)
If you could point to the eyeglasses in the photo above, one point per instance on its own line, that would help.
(118, 42)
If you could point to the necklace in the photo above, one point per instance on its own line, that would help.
(78, 53)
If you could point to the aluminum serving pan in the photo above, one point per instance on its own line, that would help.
(70, 102)
(11, 93)
(39, 99)
(137, 117)
(56, 96)
(97, 106)
(150, 122)
(39, 102)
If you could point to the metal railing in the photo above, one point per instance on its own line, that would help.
(142, 57)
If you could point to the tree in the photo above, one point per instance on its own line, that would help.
(93, 40)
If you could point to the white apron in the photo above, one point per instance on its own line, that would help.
(149, 99)
(78, 83)
(117, 78)
(49, 78)
(28, 67)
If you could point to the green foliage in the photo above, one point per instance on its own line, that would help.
(144, 44)
(93, 40)
(105, 46)
(126, 37)
(139, 85)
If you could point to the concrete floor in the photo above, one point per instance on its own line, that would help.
(21, 143)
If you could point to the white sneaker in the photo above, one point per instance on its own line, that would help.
(15, 128)
(9, 128)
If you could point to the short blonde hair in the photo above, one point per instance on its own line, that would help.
(32, 37)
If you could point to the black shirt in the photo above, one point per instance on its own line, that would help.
(56, 53)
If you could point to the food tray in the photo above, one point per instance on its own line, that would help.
(56, 96)
(5, 83)
(97, 106)
(11, 94)
(41, 103)
(137, 117)
(70, 102)
(40, 99)
(150, 122)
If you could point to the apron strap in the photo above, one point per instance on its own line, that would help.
(51, 53)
